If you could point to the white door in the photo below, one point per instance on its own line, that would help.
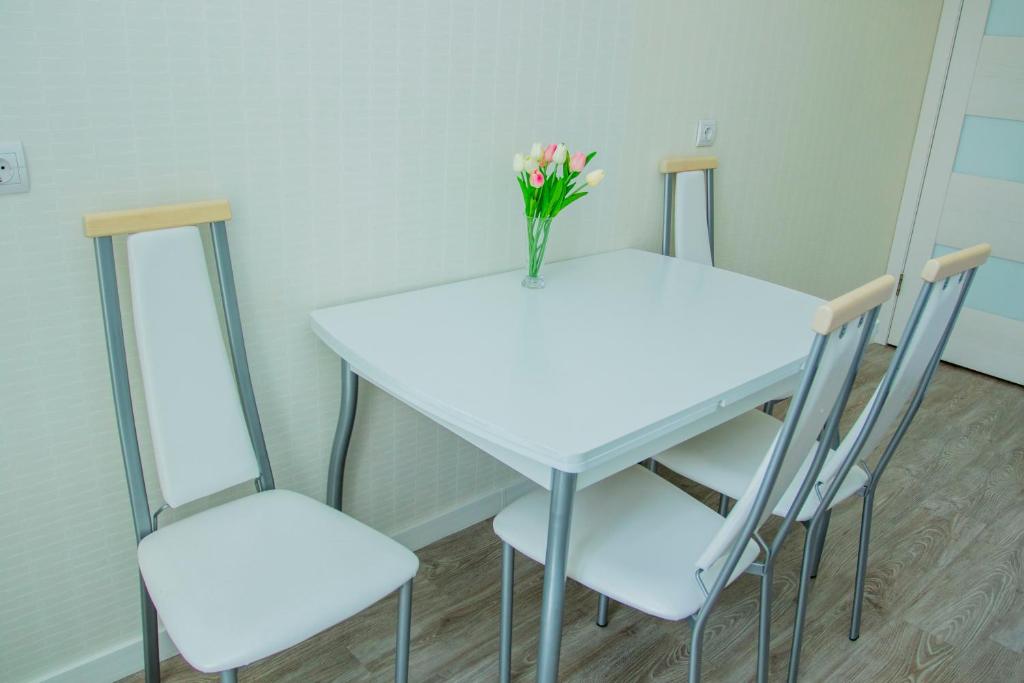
(973, 188)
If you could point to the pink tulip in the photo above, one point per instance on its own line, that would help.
(536, 178)
(549, 152)
(577, 161)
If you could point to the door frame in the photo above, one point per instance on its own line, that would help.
(931, 101)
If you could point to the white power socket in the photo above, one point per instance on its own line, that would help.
(8, 170)
(706, 131)
(13, 169)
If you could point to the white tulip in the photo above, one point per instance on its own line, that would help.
(560, 154)
(594, 178)
(530, 165)
(518, 163)
(536, 152)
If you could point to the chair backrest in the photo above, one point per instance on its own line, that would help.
(200, 439)
(842, 327)
(203, 417)
(947, 280)
(689, 208)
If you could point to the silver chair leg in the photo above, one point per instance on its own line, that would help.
(651, 464)
(508, 560)
(819, 543)
(602, 610)
(150, 636)
(723, 504)
(862, 564)
(404, 633)
(769, 406)
(229, 676)
(802, 598)
(764, 627)
(696, 645)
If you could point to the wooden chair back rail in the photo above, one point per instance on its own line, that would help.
(111, 223)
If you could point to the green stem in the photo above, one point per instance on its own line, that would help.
(537, 231)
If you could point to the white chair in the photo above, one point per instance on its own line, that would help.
(688, 228)
(689, 208)
(725, 458)
(642, 541)
(249, 578)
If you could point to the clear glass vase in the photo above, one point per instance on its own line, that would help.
(537, 229)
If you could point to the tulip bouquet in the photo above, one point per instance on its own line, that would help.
(550, 179)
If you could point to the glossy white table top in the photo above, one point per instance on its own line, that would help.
(619, 350)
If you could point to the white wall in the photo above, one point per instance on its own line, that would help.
(365, 147)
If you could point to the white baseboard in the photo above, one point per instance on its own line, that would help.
(126, 658)
(457, 519)
(109, 665)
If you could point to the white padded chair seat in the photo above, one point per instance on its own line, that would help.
(635, 537)
(252, 577)
(725, 458)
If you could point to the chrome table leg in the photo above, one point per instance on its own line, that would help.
(602, 610)
(563, 489)
(342, 435)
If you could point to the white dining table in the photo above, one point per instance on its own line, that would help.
(621, 356)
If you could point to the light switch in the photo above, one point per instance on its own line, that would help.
(13, 169)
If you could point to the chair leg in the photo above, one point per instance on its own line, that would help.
(862, 563)
(819, 544)
(602, 610)
(764, 627)
(696, 646)
(802, 598)
(723, 504)
(229, 676)
(508, 558)
(404, 633)
(150, 636)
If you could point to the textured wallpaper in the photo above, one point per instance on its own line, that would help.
(366, 148)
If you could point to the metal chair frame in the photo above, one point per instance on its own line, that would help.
(818, 524)
(671, 168)
(764, 569)
(101, 228)
(707, 165)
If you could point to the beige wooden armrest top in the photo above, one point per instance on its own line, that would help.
(155, 218)
(841, 310)
(944, 266)
(681, 164)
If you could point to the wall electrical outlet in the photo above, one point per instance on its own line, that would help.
(13, 169)
(706, 131)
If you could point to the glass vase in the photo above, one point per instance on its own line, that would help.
(537, 229)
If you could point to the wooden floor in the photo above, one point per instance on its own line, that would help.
(945, 588)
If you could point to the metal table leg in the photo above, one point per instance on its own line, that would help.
(602, 610)
(342, 435)
(563, 488)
